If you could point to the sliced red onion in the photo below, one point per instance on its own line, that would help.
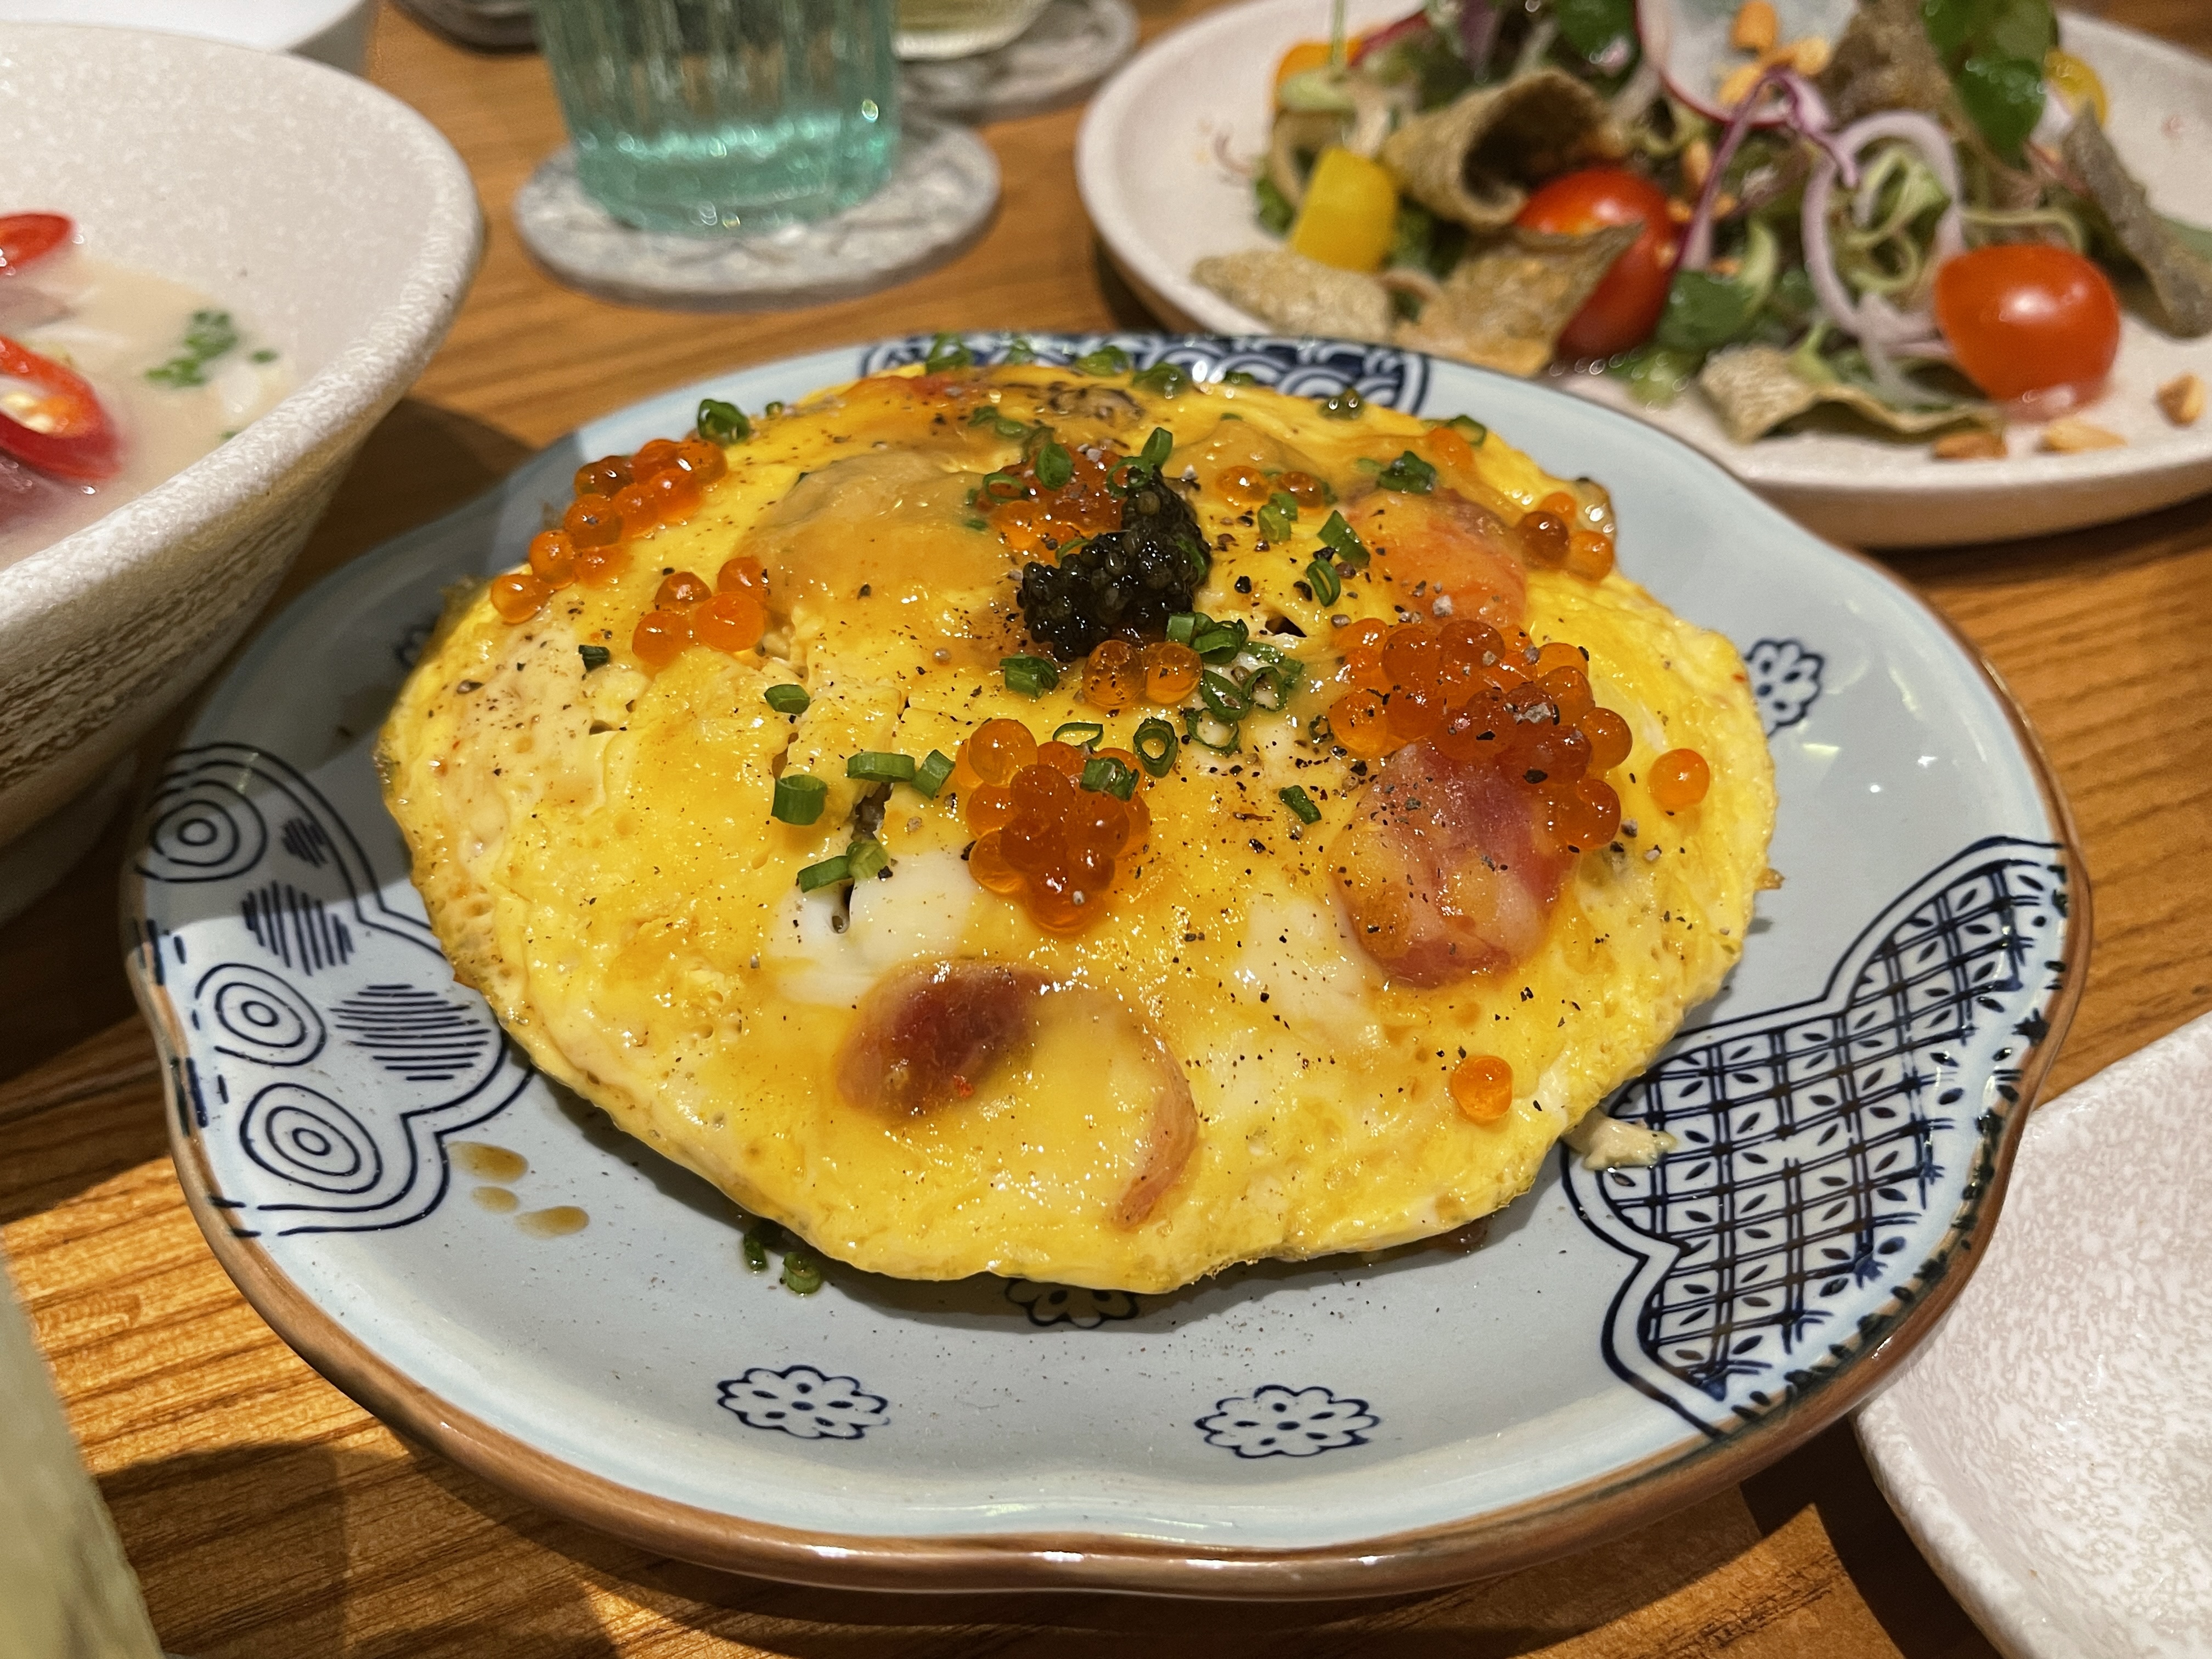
(1873, 319)
(1803, 112)
(1390, 36)
(1478, 31)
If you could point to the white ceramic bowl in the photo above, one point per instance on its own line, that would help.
(333, 32)
(327, 212)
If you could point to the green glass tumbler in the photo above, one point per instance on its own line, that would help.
(712, 118)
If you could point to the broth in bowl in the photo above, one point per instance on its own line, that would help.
(112, 380)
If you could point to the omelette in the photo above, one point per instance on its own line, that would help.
(1084, 826)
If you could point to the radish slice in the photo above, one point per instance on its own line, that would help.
(1688, 41)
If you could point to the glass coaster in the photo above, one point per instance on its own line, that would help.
(936, 202)
(1072, 47)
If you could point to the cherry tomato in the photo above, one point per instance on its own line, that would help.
(73, 437)
(1625, 307)
(2024, 317)
(26, 238)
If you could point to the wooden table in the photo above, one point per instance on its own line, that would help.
(269, 1516)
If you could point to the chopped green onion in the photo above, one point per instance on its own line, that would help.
(1183, 626)
(757, 1247)
(266, 355)
(1276, 679)
(1240, 377)
(1409, 475)
(929, 777)
(1341, 539)
(828, 873)
(1155, 745)
(1158, 447)
(787, 699)
(1081, 734)
(1106, 360)
(1054, 466)
(999, 487)
(1019, 350)
(1109, 777)
(1277, 517)
(947, 351)
(866, 858)
(594, 656)
(1346, 405)
(1321, 576)
(880, 766)
(207, 337)
(1169, 379)
(988, 415)
(1221, 641)
(1468, 427)
(722, 423)
(772, 408)
(799, 797)
(975, 524)
(1200, 727)
(1300, 803)
(1228, 700)
(1030, 676)
(802, 1273)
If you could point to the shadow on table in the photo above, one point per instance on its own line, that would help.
(1519, 1614)
(2145, 539)
(328, 1553)
(1829, 1475)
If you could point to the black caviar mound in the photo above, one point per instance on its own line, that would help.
(1123, 583)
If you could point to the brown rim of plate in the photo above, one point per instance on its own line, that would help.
(1574, 1518)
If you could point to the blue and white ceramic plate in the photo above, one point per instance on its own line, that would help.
(401, 1196)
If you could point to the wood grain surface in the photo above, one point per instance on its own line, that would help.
(269, 1517)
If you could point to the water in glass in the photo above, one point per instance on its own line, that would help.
(718, 116)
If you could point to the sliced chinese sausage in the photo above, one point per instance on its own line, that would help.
(1445, 873)
(928, 1034)
(1444, 544)
(934, 1035)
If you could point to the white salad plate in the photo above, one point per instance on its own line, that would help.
(1164, 163)
(1624, 1341)
(2050, 1450)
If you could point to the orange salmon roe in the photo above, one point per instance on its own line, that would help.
(660, 637)
(1247, 486)
(1482, 1088)
(518, 596)
(704, 461)
(553, 558)
(1171, 672)
(1475, 697)
(1040, 838)
(1679, 779)
(742, 572)
(681, 590)
(605, 476)
(1113, 677)
(1034, 519)
(731, 622)
(602, 566)
(999, 749)
(592, 521)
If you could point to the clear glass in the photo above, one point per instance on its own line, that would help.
(961, 28)
(711, 118)
(65, 1590)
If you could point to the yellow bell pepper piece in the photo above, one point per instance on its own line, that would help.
(2075, 83)
(1351, 210)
